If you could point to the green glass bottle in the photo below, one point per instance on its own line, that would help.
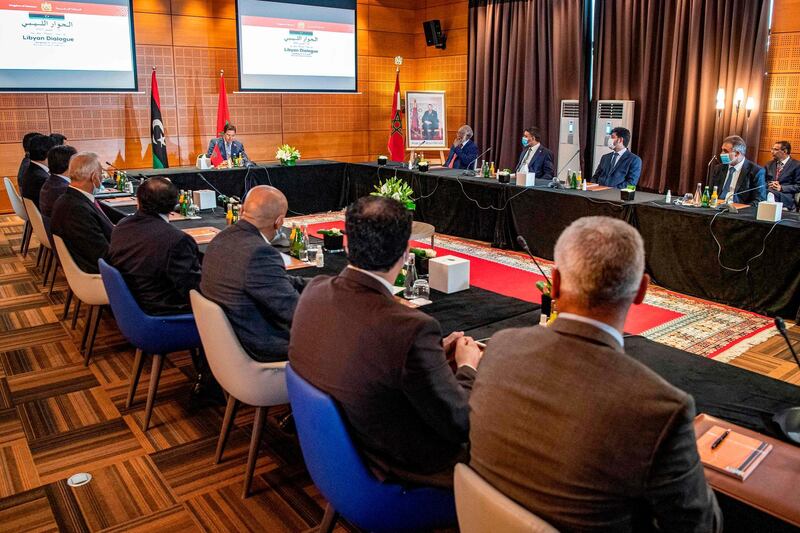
(705, 198)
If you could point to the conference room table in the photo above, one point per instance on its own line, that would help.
(757, 269)
(719, 389)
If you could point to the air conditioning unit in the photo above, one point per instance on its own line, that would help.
(569, 144)
(610, 114)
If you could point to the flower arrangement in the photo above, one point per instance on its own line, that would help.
(397, 189)
(287, 155)
(423, 253)
(332, 232)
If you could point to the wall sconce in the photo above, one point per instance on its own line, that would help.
(720, 101)
(738, 99)
(749, 105)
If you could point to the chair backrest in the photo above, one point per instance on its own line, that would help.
(343, 478)
(130, 317)
(251, 382)
(88, 288)
(16, 199)
(481, 507)
(36, 223)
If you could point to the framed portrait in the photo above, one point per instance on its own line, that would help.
(426, 122)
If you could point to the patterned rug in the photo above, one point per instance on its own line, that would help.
(691, 324)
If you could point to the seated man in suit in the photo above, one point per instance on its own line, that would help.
(58, 162)
(384, 363)
(783, 174)
(535, 157)
(464, 151)
(26, 159)
(430, 123)
(247, 277)
(621, 167)
(568, 425)
(738, 175)
(37, 172)
(229, 148)
(159, 262)
(77, 217)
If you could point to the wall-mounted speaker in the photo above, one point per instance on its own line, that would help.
(433, 34)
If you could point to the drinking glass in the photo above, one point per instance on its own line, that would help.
(422, 289)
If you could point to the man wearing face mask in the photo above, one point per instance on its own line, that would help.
(621, 167)
(246, 276)
(535, 157)
(78, 218)
(737, 174)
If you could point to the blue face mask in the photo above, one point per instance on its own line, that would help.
(525, 141)
(725, 158)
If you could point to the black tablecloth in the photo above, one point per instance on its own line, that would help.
(310, 187)
(681, 253)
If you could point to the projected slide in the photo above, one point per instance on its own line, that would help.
(297, 46)
(54, 45)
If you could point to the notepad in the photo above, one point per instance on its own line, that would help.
(737, 455)
(202, 235)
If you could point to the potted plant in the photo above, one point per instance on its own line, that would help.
(397, 189)
(287, 155)
(422, 257)
(423, 165)
(332, 239)
(504, 176)
(547, 300)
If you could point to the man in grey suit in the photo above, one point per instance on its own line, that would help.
(246, 276)
(566, 424)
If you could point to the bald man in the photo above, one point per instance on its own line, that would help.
(245, 275)
(159, 262)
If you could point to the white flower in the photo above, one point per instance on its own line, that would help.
(430, 253)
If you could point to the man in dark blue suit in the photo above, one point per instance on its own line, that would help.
(464, 151)
(737, 174)
(229, 147)
(535, 157)
(621, 167)
(37, 172)
(247, 277)
(58, 162)
(783, 174)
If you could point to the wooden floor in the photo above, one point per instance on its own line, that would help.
(58, 418)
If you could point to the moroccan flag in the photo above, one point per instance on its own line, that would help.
(159, 141)
(223, 115)
(396, 144)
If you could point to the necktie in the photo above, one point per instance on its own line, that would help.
(778, 172)
(614, 159)
(100, 210)
(727, 187)
(452, 161)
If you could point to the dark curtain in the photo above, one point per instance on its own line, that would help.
(524, 58)
(670, 57)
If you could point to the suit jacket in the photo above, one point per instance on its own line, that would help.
(589, 439)
(625, 172)
(23, 166)
(52, 189)
(159, 262)
(247, 278)
(541, 163)
(751, 176)
(789, 180)
(384, 365)
(464, 155)
(32, 182)
(85, 230)
(237, 149)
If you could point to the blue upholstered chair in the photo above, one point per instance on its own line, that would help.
(156, 335)
(344, 479)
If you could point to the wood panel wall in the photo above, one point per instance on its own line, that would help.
(189, 41)
(781, 103)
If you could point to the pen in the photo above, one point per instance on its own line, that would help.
(719, 439)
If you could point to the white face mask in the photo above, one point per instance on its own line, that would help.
(610, 143)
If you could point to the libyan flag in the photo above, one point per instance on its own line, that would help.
(157, 137)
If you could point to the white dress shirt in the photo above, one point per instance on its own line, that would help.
(596, 323)
(615, 158)
(41, 165)
(735, 178)
(86, 194)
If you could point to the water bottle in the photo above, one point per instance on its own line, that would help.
(411, 277)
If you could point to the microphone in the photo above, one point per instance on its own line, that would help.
(475, 163)
(708, 169)
(112, 166)
(728, 205)
(556, 183)
(209, 183)
(524, 245)
(788, 420)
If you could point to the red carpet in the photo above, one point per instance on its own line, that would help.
(521, 284)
